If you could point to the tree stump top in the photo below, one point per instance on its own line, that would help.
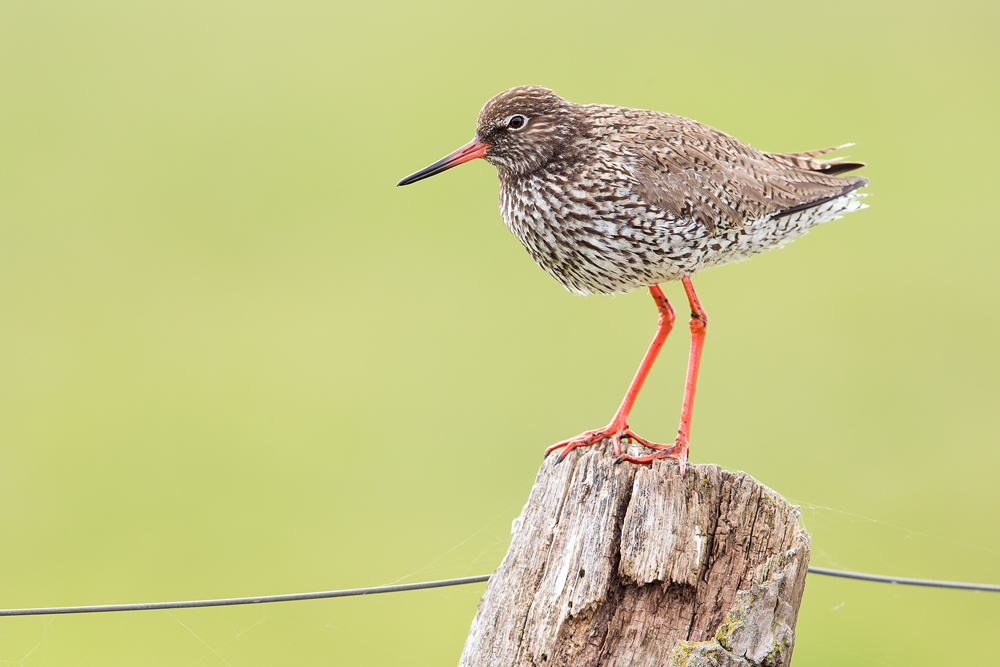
(617, 565)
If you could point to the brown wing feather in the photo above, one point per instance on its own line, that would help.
(695, 172)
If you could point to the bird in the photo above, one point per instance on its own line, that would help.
(609, 199)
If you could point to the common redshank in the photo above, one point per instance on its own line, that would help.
(608, 199)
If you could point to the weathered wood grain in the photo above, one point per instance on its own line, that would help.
(624, 565)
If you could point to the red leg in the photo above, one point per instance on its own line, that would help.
(699, 323)
(618, 428)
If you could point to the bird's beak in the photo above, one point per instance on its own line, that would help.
(469, 151)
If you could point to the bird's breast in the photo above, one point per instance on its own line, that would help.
(589, 229)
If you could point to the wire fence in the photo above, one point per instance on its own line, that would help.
(441, 583)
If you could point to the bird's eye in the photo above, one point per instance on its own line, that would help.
(516, 122)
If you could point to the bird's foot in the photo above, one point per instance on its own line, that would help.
(677, 451)
(617, 431)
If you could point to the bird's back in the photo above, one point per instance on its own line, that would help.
(695, 171)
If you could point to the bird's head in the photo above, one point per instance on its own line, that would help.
(518, 131)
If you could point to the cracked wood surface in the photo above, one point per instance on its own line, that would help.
(624, 565)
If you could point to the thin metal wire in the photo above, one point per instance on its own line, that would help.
(995, 588)
(145, 606)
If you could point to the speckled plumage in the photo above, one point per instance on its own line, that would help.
(607, 199)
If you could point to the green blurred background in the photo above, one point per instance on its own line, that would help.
(236, 360)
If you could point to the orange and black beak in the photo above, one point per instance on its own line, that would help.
(469, 151)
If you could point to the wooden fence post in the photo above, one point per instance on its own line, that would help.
(633, 566)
